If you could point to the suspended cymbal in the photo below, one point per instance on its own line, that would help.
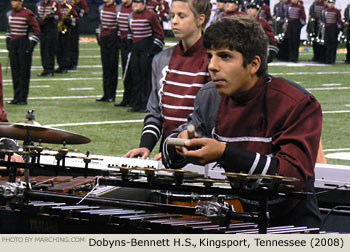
(39, 133)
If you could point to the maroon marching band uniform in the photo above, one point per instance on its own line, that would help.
(276, 130)
(20, 49)
(332, 19)
(109, 51)
(48, 39)
(123, 30)
(186, 74)
(265, 13)
(177, 77)
(64, 45)
(273, 49)
(81, 7)
(147, 35)
(296, 19)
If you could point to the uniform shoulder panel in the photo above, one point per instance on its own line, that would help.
(289, 88)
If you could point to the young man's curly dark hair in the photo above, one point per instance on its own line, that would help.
(241, 33)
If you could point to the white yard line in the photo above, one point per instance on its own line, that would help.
(336, 112)
(340, 149)
(63, 97)
(8, 82)
(332, 84)
(43, 86)
(78, 89)
(60, 79)
(94, 123)
(308, 73)
(328, 88)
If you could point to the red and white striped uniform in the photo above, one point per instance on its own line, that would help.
(20, 22)
(122, 20)
(333, 16)
(144, 25)
(45, 9)
(108, 18)
(319, 6)
(186, 74)
(296, 12)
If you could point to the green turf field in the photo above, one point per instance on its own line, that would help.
(67, 99)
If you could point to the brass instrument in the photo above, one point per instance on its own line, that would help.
(321, 33)
(321, 29)
(160, 8)
(282, 31)
(311, 31)
(344, 37)
(62, 28)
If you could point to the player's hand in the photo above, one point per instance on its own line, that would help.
(16, 158)
(138, 152)
(158, 157)
(202, 150)
(184, 135)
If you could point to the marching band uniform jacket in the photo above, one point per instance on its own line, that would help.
(146, 37)
(176, 79)
(109, 42)
(20, 48)
(273, 128)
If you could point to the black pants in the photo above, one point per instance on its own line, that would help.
(64, 49)
(293, 37)
(348, 51)
(318, 49)
(21, 63)
(283, 50)
(74, 45)
(141, 70)
(48, 46)
(110, 59)
(127, 78)
(331, 44)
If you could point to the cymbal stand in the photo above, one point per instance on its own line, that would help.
(12, 169)
(30, 117)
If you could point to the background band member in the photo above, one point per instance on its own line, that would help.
(109, 43)
(276, 125)
(253, 10)
(265, 12)
(146, 37)
(177, 75)
(64, 45)
(81, 7)
(49, 12)
(161, 8)
(347, 33)
(296, 20)
(123, 11)
(232, 8)
(314, 20)
(331, 17)
(220, 9)
(20, 48)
